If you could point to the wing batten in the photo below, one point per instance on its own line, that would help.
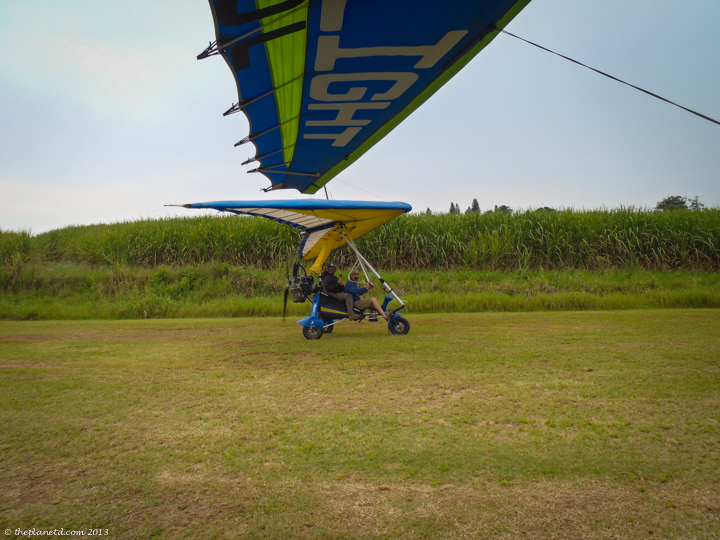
(268, 170)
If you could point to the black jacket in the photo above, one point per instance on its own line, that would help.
(330, 283)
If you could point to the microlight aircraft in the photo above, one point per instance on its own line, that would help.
(321, 82)
(326, 225)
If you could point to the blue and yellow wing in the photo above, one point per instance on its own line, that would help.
(324, 224)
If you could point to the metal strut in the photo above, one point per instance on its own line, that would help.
(367, 266)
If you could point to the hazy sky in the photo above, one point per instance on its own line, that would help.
(106, 115)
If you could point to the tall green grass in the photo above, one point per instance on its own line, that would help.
(624, 238)
(192, 240)
(598, 239)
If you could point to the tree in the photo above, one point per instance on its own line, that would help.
(673, 202)
(475, 206)
(695, 204)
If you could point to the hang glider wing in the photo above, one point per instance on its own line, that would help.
(323, 223)
(322, 81)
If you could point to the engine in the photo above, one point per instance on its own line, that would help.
(302, 287)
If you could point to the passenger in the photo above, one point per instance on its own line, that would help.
(352, 287)
(333, 286)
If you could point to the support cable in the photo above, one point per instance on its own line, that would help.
(705, 117)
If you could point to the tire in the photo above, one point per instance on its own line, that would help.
(312, 332)
(329, 329)
(399, 326)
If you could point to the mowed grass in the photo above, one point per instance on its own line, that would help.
(562, 425)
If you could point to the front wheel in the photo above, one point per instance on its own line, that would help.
(399, 326)
(311, 332)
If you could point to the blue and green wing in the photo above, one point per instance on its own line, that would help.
(322, 81)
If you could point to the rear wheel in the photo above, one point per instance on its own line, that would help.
(311, 332)
(329, 329)
(399, 326)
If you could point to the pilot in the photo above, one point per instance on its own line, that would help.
(334, 286)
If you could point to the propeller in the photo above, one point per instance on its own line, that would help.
(288, 284)
(285, 297)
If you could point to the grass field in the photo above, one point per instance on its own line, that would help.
(490, 425)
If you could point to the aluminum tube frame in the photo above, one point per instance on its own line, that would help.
(367, 266)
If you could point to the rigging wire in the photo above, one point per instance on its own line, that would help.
(709, 119)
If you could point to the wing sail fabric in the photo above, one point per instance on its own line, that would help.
(321, 221)
(322, 81)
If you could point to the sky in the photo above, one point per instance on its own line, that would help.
(106, 115)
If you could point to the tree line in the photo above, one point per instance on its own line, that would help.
(672, 202)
